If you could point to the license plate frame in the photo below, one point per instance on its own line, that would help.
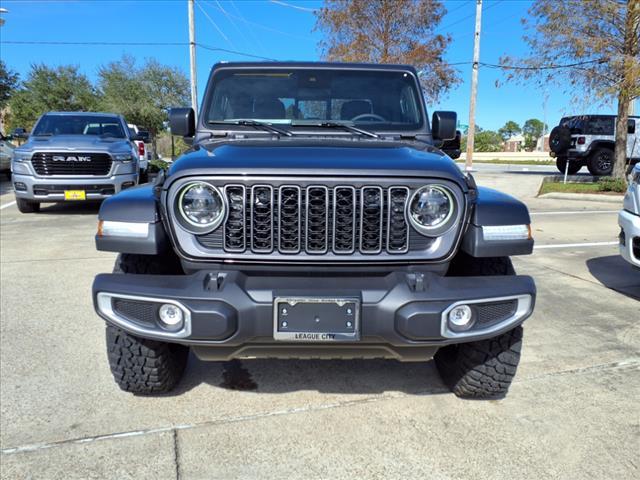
(75, 195)
(304, 312)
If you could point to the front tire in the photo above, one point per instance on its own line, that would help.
(601, 162)
(574, 167)
(26, 206)
(484, 368)
(140, 365)
(144, 366)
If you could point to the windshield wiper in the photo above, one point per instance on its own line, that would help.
(348, 128)
(253, 123)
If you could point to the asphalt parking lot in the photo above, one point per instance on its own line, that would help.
(572, 412)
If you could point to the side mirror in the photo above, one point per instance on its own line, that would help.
(19, 133)
(443, 125)
(144, 136)
(182, 122)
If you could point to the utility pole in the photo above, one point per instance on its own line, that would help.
(474, 88)
(192, 58)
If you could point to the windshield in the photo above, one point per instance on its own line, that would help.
(79, 125)
(374, 99)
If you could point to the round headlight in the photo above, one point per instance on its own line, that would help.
(430, 208)
(201, 205)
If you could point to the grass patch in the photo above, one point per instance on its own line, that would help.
(497, 161)
(604, 186)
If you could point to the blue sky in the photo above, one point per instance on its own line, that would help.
(270, 29)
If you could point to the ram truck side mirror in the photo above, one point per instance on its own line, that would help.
(182, 122)
(20, 133)
(443, 125)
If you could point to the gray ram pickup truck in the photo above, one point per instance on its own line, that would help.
(74, 156)
(315, 216)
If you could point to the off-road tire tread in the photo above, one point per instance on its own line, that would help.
(144, 366)
(481, 369)
(26, 206)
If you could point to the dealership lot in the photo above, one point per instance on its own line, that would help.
(572, 411)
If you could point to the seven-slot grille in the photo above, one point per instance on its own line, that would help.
(316, 219)
(71, 163)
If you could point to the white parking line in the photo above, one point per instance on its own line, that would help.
(578, 212)
(574, 245)
(6, 205)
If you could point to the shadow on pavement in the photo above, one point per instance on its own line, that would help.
(325, 376)
(70, 208)
(615, 273)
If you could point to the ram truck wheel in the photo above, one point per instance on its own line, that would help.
(484, 368)
(26, 206)
(144, 366)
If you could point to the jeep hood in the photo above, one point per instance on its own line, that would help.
(77, 143)
(384, 159)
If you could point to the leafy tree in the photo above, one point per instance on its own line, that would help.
(599, 43)
(389, 31)
(487, 141)
(532, 130)
(50, 88)
(8, 83)
(142, 94)
(509, 129)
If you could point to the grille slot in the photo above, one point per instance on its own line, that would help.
(290, 219)
(344, 219)
(317, 219)
(397, 228)
(234, 228)
(371, 215)
(262, 218)
(55, 163)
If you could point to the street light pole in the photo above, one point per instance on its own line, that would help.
(192, 58)
(474, 88)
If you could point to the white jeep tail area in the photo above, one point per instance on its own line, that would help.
(590, 140)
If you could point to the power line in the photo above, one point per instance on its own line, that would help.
(134, 44)
(295, 7)
(215, 25)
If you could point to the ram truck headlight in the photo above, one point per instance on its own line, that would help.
(202, 206)
(431, 208)
(123, 157)
(21, 156)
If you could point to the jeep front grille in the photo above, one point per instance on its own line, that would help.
(71, 163)
(316, 220)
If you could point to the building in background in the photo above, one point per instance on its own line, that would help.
(514, 144)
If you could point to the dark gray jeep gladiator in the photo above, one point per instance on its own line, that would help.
(314, 217)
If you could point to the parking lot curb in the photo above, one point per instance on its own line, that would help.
(588, 197)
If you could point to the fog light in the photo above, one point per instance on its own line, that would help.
(126, 185)
(171, 316)
(461, 318)
(21, 187)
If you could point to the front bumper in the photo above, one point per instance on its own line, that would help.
(630, 237)
(230, 314)
(51, 189)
